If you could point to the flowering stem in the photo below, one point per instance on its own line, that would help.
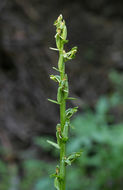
(62, 144)
(62, 96)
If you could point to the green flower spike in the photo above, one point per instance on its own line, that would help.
(62, 128)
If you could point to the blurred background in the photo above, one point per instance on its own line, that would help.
(27, 119)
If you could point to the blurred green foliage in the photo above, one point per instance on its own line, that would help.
(100, 167)
(100, 137)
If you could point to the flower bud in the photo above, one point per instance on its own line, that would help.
(64, 33)
(58, 41)
(59, 19)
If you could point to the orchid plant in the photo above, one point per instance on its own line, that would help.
(62, 128)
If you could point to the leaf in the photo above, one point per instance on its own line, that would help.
(53, 144)
(41, 141)
(53, 175)
(55, 69)
(65, 41)
(55, 49)
(53, 101)
(56, 183)
(71, 98)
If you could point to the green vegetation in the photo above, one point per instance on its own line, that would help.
(97, 131)
(99, 134)
(101, 166)
(62, 96)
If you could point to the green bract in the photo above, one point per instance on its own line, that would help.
(62, 95)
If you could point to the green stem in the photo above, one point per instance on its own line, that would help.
(62, 167)
(62, 121)
(62, 148)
